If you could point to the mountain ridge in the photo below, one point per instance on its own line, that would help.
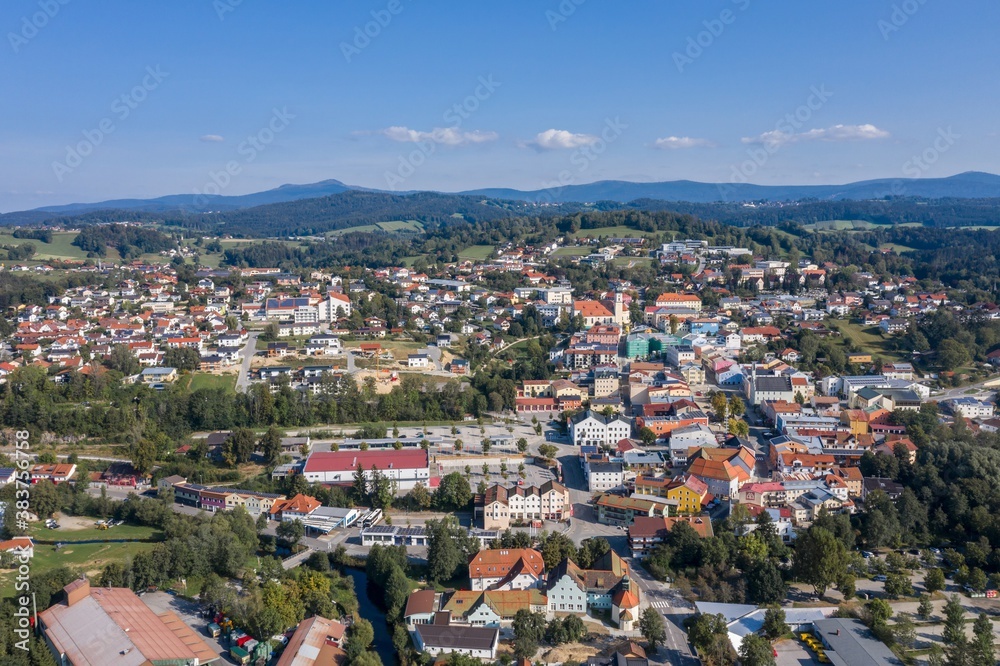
(967, 185)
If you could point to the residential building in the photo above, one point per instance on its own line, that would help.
(648, 531)
(438, 639)
(317, 641)
(591, 428)
(723, 470)
(506, 569)
(501, 506)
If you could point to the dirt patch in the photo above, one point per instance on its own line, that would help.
(71, 523)
(570, 652)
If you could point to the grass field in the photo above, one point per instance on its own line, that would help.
(617, 232)
(39, 531)
(631, 261)
(88, 558)
(476, 252)
(869, 340)
(572, 252)
(61, 247)
(200, 380)
(852, 225)
(401, 225)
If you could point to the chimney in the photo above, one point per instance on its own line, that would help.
(77, 590)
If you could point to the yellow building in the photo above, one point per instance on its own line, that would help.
(689, 493)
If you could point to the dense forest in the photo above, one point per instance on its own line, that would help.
(131, 241)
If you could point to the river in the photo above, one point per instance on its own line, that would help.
(371, 612)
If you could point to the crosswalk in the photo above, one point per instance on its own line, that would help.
(660, 604)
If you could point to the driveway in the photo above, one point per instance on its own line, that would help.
(794, 653)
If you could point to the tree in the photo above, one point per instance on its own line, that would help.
(556, 547)
(143, 455)
(647, 436)
(652, 628)
(983, 651)
(774, 623)
(904, 631)
(360, 486)
(756, 651)
(720, 406)
(934, 581)
(879, 611)
(954, 622)
(898, 585)
(738, 427)
(522, 444)
(736, 406)
(925, 608)
(547, 451)
(529, 630)
(419, 498)
(238, 447)
(381, 489)
(270, 445)
(359, 638)
(453, 493)
(448, 549)
(764, 582)
(820, 559)
(396, 590)
(291, 531)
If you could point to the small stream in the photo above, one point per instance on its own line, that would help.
(371, 612)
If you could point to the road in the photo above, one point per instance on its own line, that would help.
(243, 379)
(434, 353)
(674, 609)
(962, 391)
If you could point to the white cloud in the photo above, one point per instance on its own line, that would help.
(682, 143)
(212, 138)
(553, 139)
(449, 136)
(837, 133)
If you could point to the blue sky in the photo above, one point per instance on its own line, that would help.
(222, 95)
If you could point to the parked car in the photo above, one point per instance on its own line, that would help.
(880, 579)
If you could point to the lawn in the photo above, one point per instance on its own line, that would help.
(401, 225)
(200, 380)
(61, 247)
(574, 251)
(89, 558)
(39, 531)
(629, 262)
(616, 232)
(869, 340)
(476, 252)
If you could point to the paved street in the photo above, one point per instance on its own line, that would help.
(243, 379)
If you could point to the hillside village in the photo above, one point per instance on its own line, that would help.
(644, 431)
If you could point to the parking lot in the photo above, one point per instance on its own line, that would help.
(161, 602)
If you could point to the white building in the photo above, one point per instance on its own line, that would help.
(593, 429)
(605, 476)
(971, 408)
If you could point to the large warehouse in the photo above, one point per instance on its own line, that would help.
(407, 467)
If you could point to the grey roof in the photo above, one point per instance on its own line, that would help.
(773, 384)
(851, 643)
(458, 637)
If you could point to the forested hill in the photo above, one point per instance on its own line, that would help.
(355, 208)
(350, 209)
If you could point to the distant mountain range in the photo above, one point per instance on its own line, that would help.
(970, 185)
(192, 203)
